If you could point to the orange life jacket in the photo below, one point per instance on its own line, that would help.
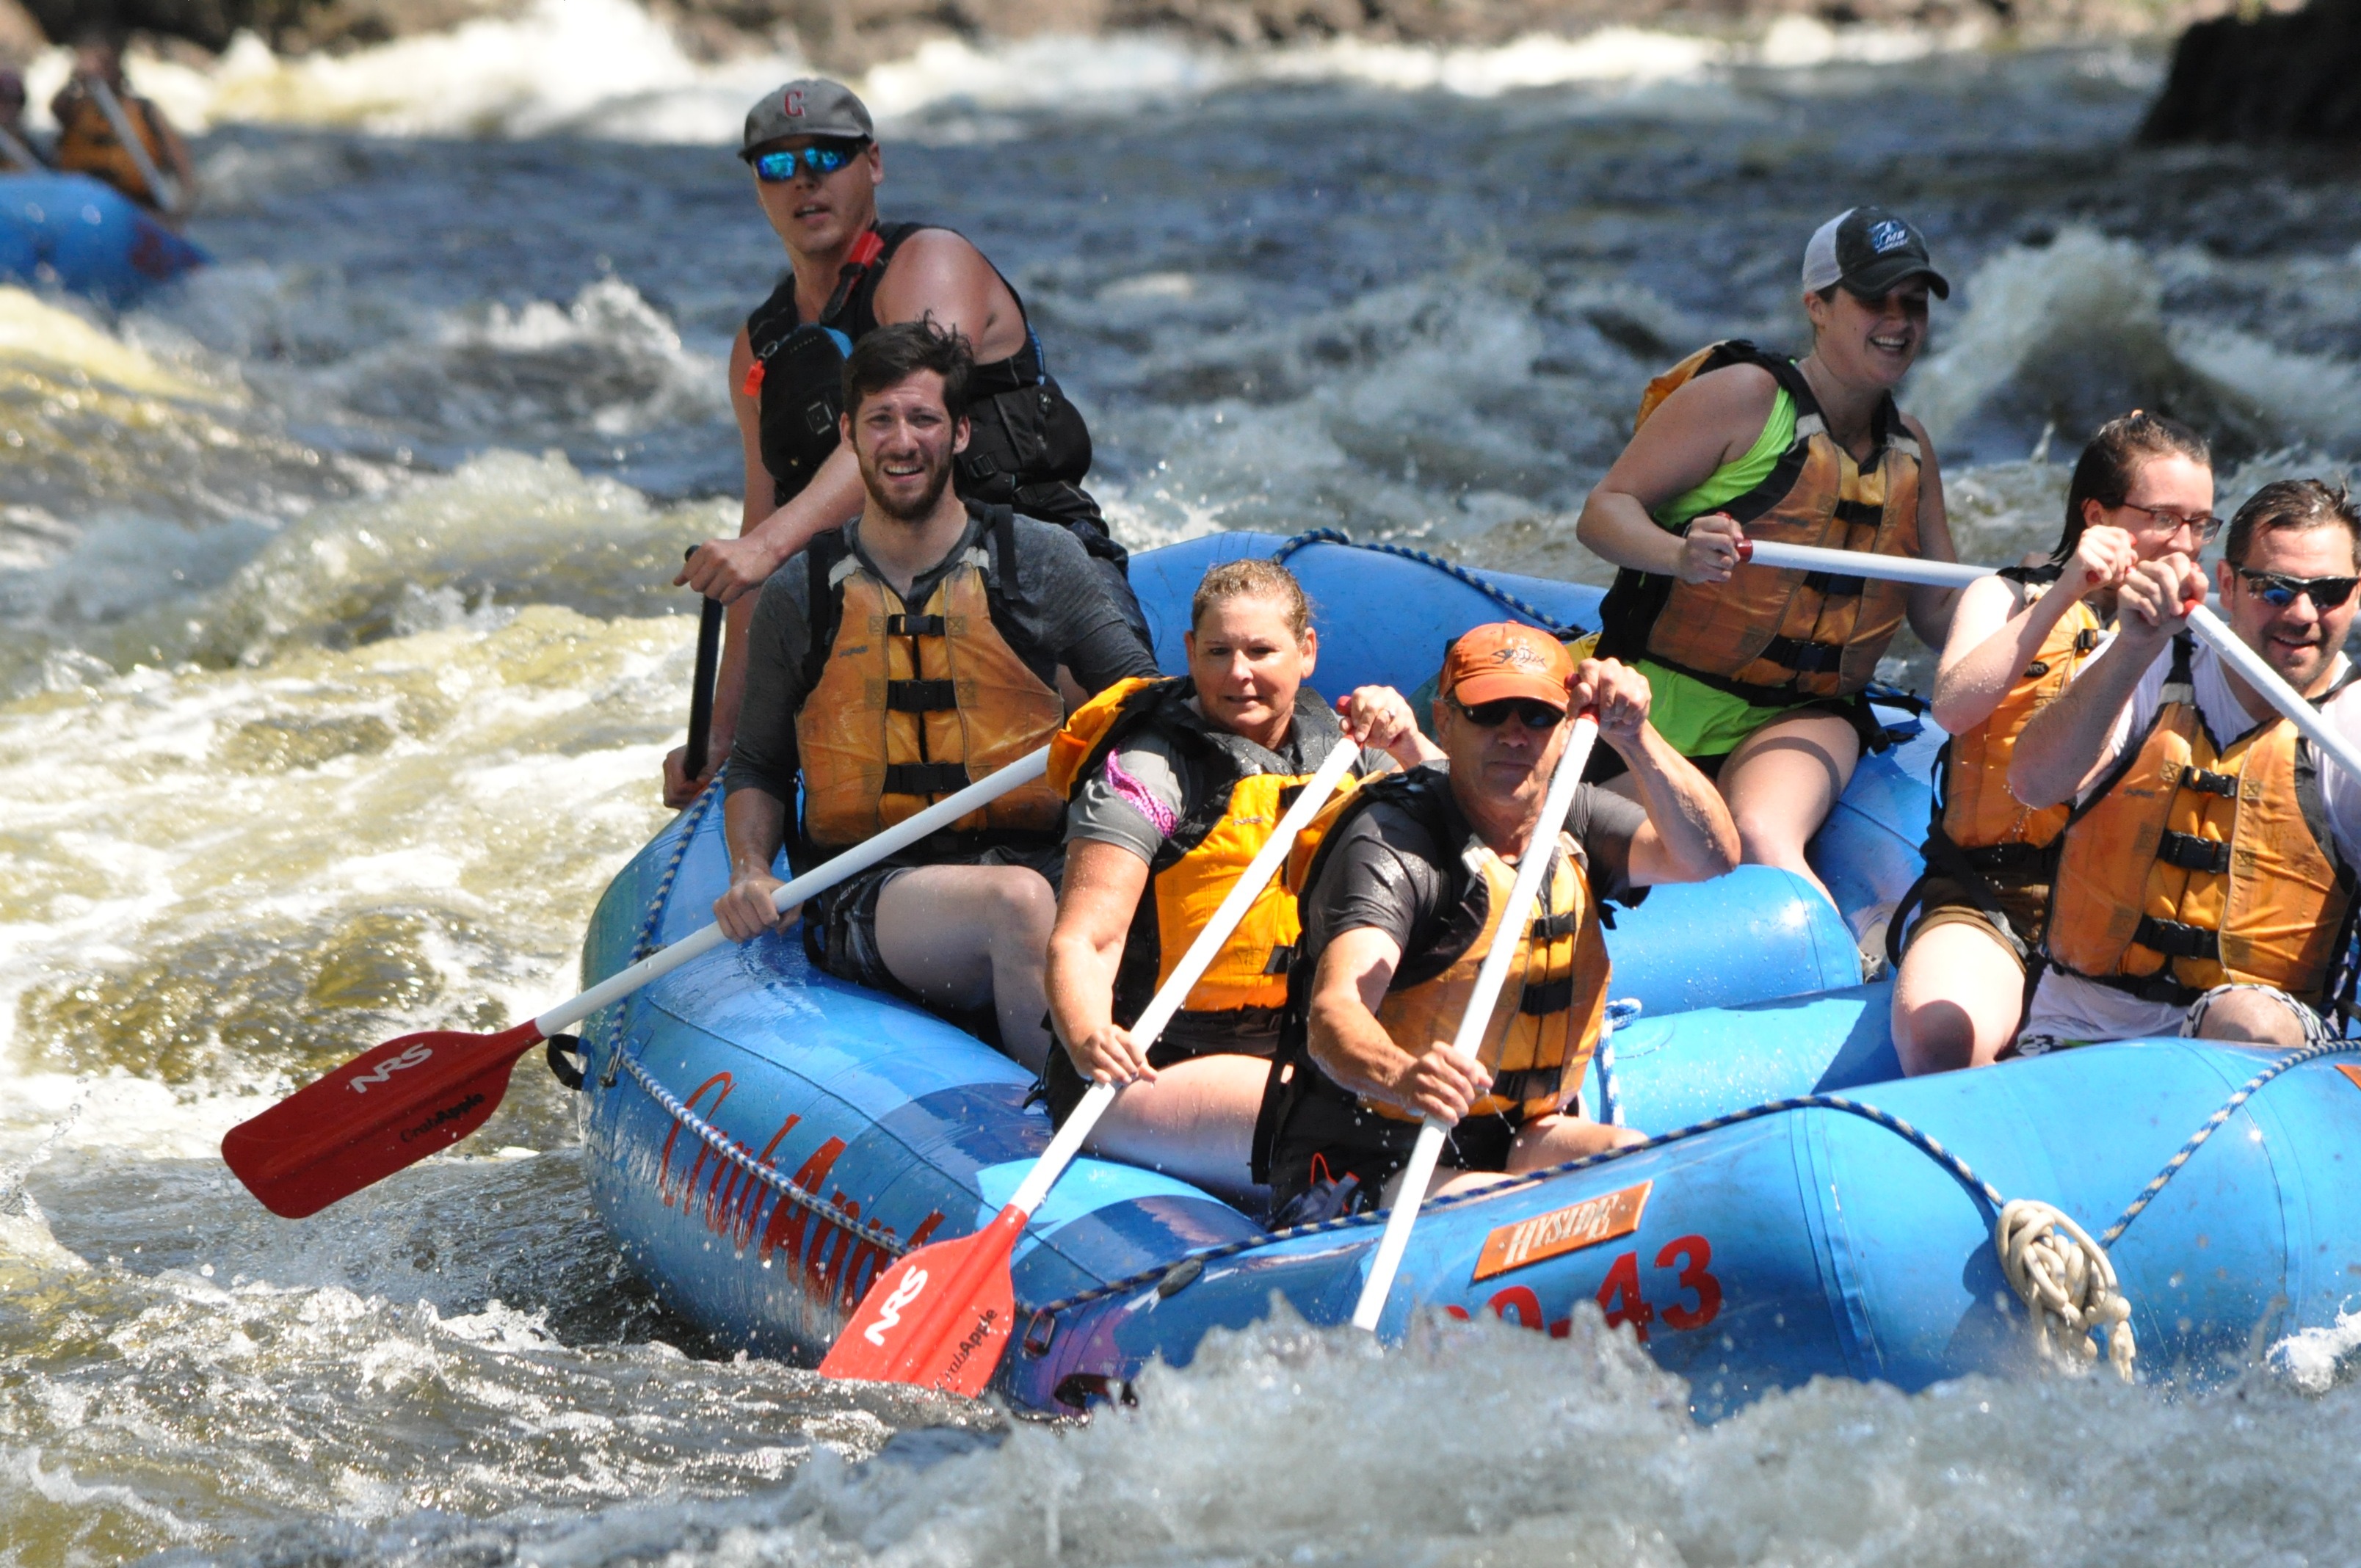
(1545, 1022)
(87, 143)
(1976, 811)
(1978, 836)
(904, 709)
(2196, 864)
(1232, 806)
(1771, 634)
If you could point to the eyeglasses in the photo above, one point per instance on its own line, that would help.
(2279, 592)
(1532, 712)
(2203, 524)
(823, 159)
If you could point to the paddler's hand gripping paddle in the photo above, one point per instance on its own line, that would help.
(940, 1317)
(1539, 850)
(2210, 628)
(392, 1107)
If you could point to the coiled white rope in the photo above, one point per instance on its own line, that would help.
(2068, 1284)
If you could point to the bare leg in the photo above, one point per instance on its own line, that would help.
(2251, 1017)
(1782, 781)
(1957, 999)
(972, 937)
(1195, 1122)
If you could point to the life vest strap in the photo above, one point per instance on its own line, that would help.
(1556, 927)
(2192, 853)
(1804, 658)
(1282, 959)
(1861, 514)
(1541, 1001)
(914, 626)
(1827, 585)
(925, 778)
(2207, 783)
(2174, 940)
(921, 696)
(2013, 858)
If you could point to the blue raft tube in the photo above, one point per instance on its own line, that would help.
(763, 1140)
(71, 232)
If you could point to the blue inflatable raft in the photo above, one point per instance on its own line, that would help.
(763, 1139)
(71, 232)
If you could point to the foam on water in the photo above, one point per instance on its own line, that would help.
(337, 653)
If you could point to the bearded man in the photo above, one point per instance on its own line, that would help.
(891, 662)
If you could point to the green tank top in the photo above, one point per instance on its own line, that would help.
(1701, 720)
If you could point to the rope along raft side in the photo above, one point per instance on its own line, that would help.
(2061, 1272)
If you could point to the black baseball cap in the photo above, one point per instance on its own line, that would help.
(1869, 250)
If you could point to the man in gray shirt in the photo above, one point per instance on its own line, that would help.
(1401, 903)
(891, 661)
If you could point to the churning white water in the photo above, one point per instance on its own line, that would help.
(336, 659)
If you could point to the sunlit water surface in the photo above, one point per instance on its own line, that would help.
(336, 659)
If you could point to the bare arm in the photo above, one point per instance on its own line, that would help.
(1351, 1046)
(1930, 608)
(1995, 634)
(1710, 422)
(2065, 746)
(1100, 892)
(753, 823)
(1689, 836)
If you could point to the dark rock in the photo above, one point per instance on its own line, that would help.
(2270, 78)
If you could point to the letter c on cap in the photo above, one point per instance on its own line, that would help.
(793, 103)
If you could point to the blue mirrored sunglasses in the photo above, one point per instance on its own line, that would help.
(823, 159)
(2279, 591)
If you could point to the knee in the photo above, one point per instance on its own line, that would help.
(2250, 1017)
(1023, 908)
(1766, 837)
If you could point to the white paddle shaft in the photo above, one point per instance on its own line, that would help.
(2210, 629)
(860, 857)
(1489, 977)
(1194, 964)
(160, 185)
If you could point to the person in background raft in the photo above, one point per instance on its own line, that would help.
(2205, 888)
(1967, 935)
(1400, 900)
(1757, 673)
(1173, 786)
(890, 663)
(17, 153)
(106, 131)
(817, 167)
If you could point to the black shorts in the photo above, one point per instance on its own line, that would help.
(1327, 1136)
(841, 923)
(1250, 1031)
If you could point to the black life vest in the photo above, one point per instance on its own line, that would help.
(1028, 448)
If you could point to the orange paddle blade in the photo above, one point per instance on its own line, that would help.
(384, 1110)
(940, 1317)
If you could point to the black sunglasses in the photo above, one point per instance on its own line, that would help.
(2279, 592)
(823, 159)
(1532, 713)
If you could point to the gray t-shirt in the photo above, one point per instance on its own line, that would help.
(1138, 795)
(1060, 613)
(1384, 870)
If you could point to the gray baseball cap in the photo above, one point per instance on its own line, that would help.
(808, 107)
(1869, 250)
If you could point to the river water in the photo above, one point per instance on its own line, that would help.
(336, 660)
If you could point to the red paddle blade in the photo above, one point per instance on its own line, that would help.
(940, 1317)
(383, 1110)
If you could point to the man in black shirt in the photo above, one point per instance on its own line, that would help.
(1402, 900)
(889, 663)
